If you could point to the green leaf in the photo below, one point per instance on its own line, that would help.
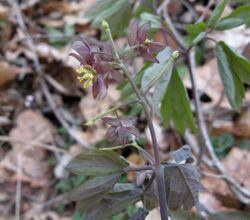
(238, 17)
(116, 12)
(182, 186)
(239, 64)
(154, 20)
(94, 188)
(217, 13)
(96, 162)
(233, 87)
(112, 204)
(196, 33)
(176, 107)
(154, 72)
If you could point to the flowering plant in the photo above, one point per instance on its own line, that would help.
(159, 90)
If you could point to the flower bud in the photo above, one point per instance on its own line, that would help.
(175, 54)
(105, 25)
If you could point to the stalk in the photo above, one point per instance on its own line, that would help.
(158, 168)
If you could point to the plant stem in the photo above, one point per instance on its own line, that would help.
(158, 168)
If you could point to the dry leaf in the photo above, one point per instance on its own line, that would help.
(7, 73)
(31, 125)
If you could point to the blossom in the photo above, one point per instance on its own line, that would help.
(138, 37)
(95, 69)
(120, 128)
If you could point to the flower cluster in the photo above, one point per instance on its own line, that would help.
(120, 127)
(94, 68)
(97, 66)
(138, 38)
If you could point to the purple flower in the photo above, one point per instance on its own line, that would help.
(138, 37)
(121, 128)
(94, 70)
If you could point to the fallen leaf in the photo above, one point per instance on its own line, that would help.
(31, 126)
(7, 73)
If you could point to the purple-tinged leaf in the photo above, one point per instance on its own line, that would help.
(94, 186)
(182, 186)
(113, 203)
(96, 162)
(184, 153)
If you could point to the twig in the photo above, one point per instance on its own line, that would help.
(204, 14)
(18, 186)
(164, 8)
(34, 143)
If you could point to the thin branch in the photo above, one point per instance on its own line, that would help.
(34, 144)
(204, 14)
(18, 186)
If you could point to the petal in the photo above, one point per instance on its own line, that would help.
(122, 135)
(127, 122)
(133, 130)
(143, 32)
(83, 48)
(102, 88)
(155, 47)
(107, 49)
(111, 133)
(117, 76)
(95, 90)
(79, 58)
(132, 36)
(147, 56)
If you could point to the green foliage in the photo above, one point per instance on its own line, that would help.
(2, 23)
(116, 12)
(155, 21)
(212, 22)
(239, 64)
(196, 33)
(234, 70)
(176, 106)
(222, 144)
(59, 38)
(158, 75)
(238, 17)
